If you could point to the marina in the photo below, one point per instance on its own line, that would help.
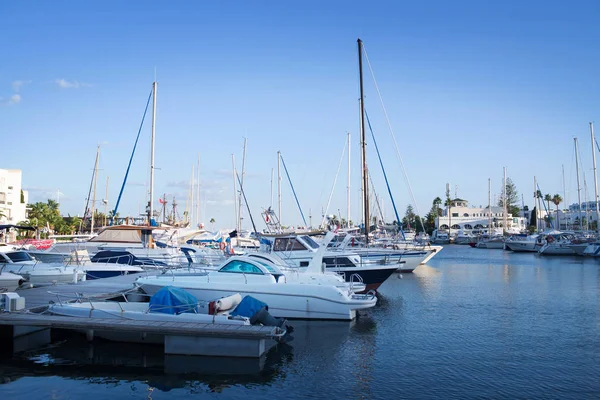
(506, 325)
(310, 200)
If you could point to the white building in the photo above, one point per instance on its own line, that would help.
(12, 206)
(460, 216)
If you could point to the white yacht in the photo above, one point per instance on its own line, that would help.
(524, 243)
(440, 237)
(264, 281)
(299, 250)
(558, 244)
(35, 272)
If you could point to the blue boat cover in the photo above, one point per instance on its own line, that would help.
(248, 307)
(173, 300)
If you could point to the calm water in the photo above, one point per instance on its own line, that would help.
(474, 323)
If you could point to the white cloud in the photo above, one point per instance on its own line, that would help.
(14, 99)
(65, 84)
(18, 84)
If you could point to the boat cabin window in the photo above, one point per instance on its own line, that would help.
(241, 267)
(310, 242)
(334, 262)
(267, 266)
(19, 256)
(288, 244)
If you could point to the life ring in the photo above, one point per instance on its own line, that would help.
(550, 239)
(222, 246)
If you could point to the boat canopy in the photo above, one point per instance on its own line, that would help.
(173, 300)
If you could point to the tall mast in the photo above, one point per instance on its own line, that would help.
(95, 180)
(192, 197)
(595, 177)
(505, 208)
(234, 189)
(272, 174)
(578, 187)
(564, 193)
(198, 220)
(239, 226)
(279, 187)
(535, 204)
(363, 139)
(150, 205)
(348, 194)
(106, 202)
(489, 206)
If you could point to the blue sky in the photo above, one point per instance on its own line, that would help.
(469, 87)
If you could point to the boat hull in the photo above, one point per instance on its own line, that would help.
(301, 302)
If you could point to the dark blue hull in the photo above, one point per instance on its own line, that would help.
(106, 274)
(373, 278)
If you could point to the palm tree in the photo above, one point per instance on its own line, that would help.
(548, 199)
(556, 199)
(212, 223)
(437, 202)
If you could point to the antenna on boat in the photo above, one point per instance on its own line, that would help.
(595, 177)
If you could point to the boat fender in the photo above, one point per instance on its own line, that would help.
(222, 245)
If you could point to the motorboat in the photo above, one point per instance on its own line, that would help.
(407, 254)
(135, 239)
(440, 237)
(558, 244)
(9, 282)
(494, 241)
(169, 304)
(524, 243)
(286, 297)
(35, 272)
(110, 263)
(299, 250)
(463, 237)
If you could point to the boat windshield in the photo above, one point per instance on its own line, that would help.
(241, 267)
(308, 240)
(268, 267)
(19, 256)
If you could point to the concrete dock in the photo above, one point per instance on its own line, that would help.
(178, 338)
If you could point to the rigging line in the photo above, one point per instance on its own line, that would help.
(293, 191)
(385, 176)
(87, 203)
(333, 187)
(376, 197)
(131, 158)
(246, 201)
(410, 191)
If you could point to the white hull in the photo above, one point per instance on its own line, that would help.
(9, 282)
(592, 250)
(558, 249)
(526, 245)
(302, 301)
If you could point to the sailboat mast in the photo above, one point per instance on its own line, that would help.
(241, 185)
(564, 194)
(490, 206)
(348, 194)
(198, 220)
(106, 203)
(234, 190)
(535, 204)
(363, 139)
(279, 187)
(578, 184)
(505, 208)
(95, 180)
(595, 177)
(150, 205)
(272, 175)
